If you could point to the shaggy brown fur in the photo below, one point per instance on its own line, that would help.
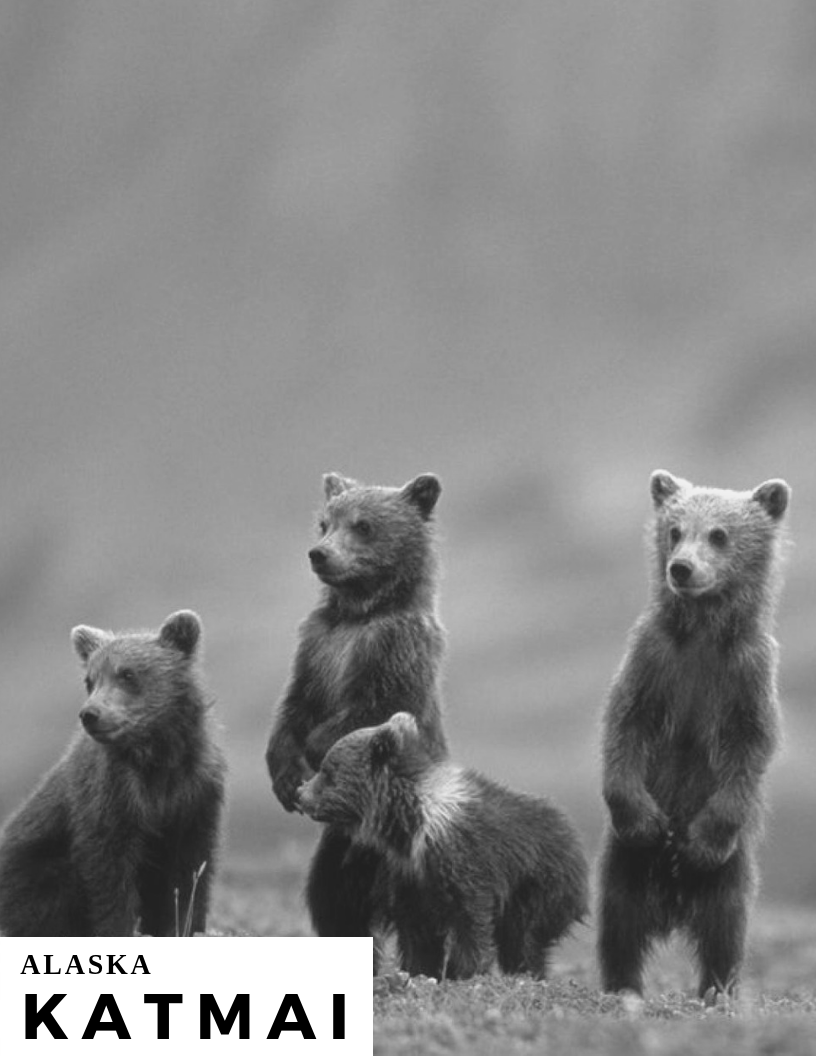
(476, 873)
(132, 808)
(372, 646)
(690, 726)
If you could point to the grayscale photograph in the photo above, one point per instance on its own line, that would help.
(408, 430)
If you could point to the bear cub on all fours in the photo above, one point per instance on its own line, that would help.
(371, 647)
(476, 874)
(690, 726)
(132, 809)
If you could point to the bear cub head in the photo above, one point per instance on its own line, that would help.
(713, 542)
(358, 784)
(133, 679)
(373, 538)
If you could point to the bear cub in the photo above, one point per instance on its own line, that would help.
(371, 647)
(475, 873)
(132, 809)
(690, 725)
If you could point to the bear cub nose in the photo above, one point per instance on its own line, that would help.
(680, 572)
(318, 557)
(89, 717)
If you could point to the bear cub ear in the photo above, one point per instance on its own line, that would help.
(392, 737)
(423, 492)
(334, 484)
(663, 485)
(181, 631)
(87, 640)
(404, 726)
(384, 746)
(773, 496)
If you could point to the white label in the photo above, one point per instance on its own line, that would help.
(136, 995)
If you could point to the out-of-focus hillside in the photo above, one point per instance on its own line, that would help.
(539, 249)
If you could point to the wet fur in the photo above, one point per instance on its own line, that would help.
(690, 726)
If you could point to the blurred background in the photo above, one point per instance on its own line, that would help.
(538, 249)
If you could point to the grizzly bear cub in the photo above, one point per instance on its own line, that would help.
(132, 809)
(475, 873)
(371, 647)
(690, 726)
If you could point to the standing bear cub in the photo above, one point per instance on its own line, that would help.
(372, 646)
(132, 809)
(690, 726)
(475, 873)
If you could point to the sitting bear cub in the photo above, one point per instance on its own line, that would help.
(132, 809)
(476, 873)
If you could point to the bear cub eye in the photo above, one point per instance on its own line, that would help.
(127, 678)
(88, 685)
(717, 537)
(363, 528)
(675, 535)
(323, 525)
